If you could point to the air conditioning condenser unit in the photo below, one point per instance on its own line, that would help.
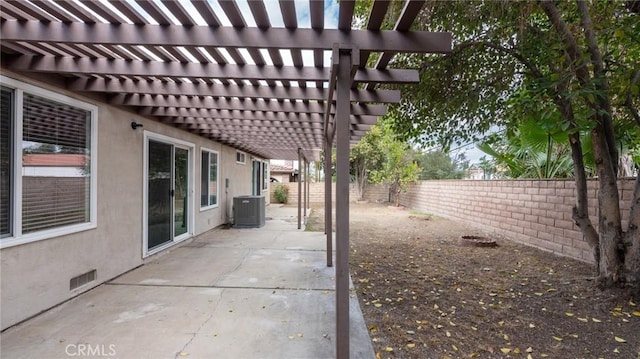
(248, 211)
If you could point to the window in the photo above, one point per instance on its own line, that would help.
(241, 157)
(265, 175)
(209, 179)
(47, 159)
(6, 153)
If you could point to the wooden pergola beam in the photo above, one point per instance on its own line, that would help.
(227, 37)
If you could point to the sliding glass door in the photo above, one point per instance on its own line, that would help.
(168, 186)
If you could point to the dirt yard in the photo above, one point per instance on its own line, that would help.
(424, 295)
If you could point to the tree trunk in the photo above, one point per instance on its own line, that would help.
(581, 209)
(611, 248)
(610, 226)
(632, 238)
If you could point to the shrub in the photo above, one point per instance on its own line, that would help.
(282, 194)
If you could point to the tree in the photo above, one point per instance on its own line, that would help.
(366, 156)
(398, 167)
(552, 54)
(488, 168)
(530, 151)
(439, 165)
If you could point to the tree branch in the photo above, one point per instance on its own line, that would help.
(534, 70)
(600, 81)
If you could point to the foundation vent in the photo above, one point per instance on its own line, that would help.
(82, 279)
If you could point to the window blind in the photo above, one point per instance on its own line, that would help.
(56, 159)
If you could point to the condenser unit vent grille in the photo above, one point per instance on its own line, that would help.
(248, 211)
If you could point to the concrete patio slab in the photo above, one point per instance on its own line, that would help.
(230, 293)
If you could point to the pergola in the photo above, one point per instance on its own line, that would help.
(245, 74)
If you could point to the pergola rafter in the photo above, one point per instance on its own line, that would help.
(182, 70)
(129, 86)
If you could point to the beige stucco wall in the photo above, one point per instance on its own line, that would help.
(35, 276)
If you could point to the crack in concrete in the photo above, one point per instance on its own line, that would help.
(193, 336)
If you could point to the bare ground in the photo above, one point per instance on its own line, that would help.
(426, 296)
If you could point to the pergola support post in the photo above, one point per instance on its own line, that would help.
(299, 188)
(305, 204)
(308, 166)
(342, 203)
(328, 203)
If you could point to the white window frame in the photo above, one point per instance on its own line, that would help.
(266, 174)
(244, 157)
(210, 151)
(18, 237)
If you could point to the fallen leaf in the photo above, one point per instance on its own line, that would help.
(529, 350)
(474, 328)
(538, 294)
(388, 349)
(455, 348)
(299, 335)
(636, 313)
(505, 350)
(584, 320)
(569, 314)
(378, 305)
(620, 340)
(558, 339)
(616, 350)
(574, 335)
(183, 354)
(517, 351)
(448, 334)
(596, 320)
(291, 336)
(411, 345)
(529, 356)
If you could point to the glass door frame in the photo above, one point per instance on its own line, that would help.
(190, 206)
(256, 177)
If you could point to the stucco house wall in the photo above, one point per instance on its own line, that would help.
(36, 276)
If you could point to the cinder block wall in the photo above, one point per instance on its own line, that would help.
(316, 192)
(533, 212)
